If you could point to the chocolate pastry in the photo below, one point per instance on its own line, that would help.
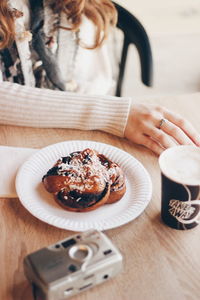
(116, 177)
(85, 180)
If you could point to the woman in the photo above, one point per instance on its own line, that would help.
(60, 46)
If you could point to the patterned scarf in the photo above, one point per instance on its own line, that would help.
(46, 75)
(10, 65)
(39, 45)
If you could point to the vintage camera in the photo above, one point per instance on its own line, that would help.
(72, 265)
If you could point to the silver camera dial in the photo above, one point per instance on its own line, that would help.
(80, 252)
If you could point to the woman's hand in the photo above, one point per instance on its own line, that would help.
(157, 128)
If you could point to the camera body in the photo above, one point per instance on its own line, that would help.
(72, 265)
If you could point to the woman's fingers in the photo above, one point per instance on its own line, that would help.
(161, 137)
(181, 129)
(151, 144)
(176, 133)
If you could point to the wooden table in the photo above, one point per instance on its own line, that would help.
(160, 263)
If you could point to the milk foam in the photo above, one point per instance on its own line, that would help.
(181, 164)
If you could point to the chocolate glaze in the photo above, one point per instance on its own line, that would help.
(76, 199)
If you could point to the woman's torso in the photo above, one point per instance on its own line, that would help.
(84, 70)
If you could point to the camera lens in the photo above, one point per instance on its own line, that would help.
(80, 252)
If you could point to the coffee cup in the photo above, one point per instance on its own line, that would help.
(180, 171)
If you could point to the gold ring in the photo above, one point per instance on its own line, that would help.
(162, 121)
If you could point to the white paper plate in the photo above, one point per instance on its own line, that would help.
(41, 204)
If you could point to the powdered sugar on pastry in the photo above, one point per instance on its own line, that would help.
(85, 180)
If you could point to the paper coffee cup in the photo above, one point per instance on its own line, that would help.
(180, 171)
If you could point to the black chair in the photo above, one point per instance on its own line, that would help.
(134, 33)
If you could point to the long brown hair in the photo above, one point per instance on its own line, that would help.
(101, 12)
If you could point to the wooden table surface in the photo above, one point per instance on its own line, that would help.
(160, 263)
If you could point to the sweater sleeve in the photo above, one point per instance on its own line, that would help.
(34, 107)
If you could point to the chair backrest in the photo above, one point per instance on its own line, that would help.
(134, 33)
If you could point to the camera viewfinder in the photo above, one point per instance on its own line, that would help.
(107, 252)
(68, 243)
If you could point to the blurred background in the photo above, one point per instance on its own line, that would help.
(173, 27)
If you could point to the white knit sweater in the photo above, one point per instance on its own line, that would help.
(87, 109)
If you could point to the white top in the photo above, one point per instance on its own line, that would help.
(29, 106)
